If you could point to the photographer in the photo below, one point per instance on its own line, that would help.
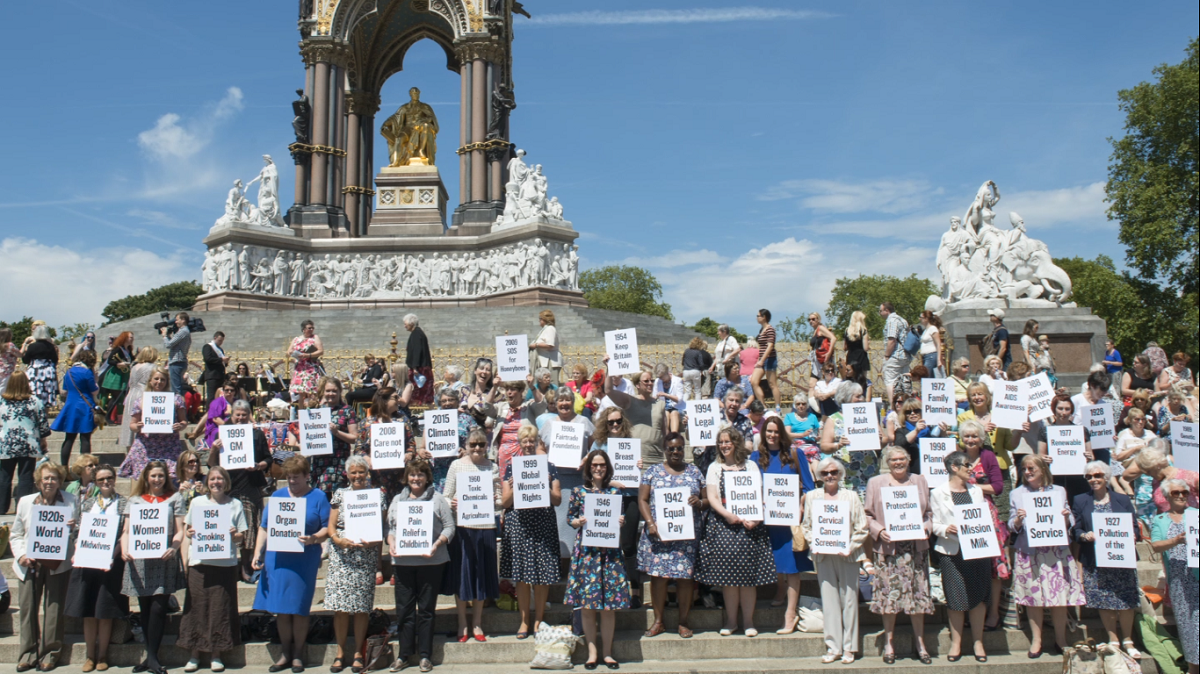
(177, 346)
(215, 362)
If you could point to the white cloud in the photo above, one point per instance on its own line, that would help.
(882, 196)
(82, 283)
(678, 258)
(661, 16)
(173, 138)
(161, 219)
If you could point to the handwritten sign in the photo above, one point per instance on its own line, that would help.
(388, 444)
(1044, 523)
(531, 482)
(149, 526)
(933, 460)
(1065, 445)
(566, 444)
(158, 412)
(363, 510)
(603, 526)
(1098, 419)
(1192, 525)
(285, 524)
(673, 515)
(1040, 396)
(903, 518)
(1185, 445)
(1010, 409)
(782, 501)
(512, 357)
(862, 426)
(315, 437)
(704, 418)
(237, 446)
(743, 494)
(625, 453)
(97, 542)
(441, 433)
(831, 527)
(1115, 543)
(413, 534)
(937, 402)
(49, 534)
(622, 348)
(977, 536)
(210, 536)
(476, 498)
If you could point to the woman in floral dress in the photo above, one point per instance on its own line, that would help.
(163, 447)
(666, 560)
(306, 350)
(529, 556)
(327, 473)
(1169, 536)
(350, 585)
(597, 583)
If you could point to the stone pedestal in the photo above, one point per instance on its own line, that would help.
(409, 201)
(1076, 337)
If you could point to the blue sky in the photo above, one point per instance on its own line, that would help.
(748, 154)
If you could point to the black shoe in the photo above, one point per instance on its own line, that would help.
(277, 668)
(140, 667)
(590, 666)
(612, 665)
(1034, 655)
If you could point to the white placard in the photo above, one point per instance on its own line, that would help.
(315, 436)
(512, 357)
(903, 519)
(413, 535)
(782, 500)
(531, 482)
(743, 494)
(1065, 445)
(673, 515)
(1185, 445)
(704, 418)
(158, 412)
(1009, 408)
(862, 426)
(97, 541)
(624, 454)
(149, 527)
(933, 460)
(1044, 522)
(1192, 525)
(1115, 542)
(566, 444)
(937, 402)
(476, 498)
(1098, 419)
(977, 535)
(622, 348)
(831, 528)
(49, 534)
(285, 524)
(1040, 396)
(210, 536)
(441, 433)
(363, 509)
(237, 446)
(387, 445)
(603, 526)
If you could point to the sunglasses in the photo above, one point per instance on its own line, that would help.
(913, 413)
(675, 449)
(615, 422)
(1097, 476)
(477, 444)
(601, 466)
(832, 473)
(1177, 494)
(193, 462)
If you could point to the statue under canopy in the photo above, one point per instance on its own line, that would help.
(411, 133)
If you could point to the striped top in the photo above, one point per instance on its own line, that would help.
(766, 338)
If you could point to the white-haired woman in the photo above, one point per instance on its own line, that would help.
(1174, 409)
(860, 466)
(838, 574)
(452, 376)
(350, 583)
(1168, 533)
(804, 426)
(960, 373)
(993, 371)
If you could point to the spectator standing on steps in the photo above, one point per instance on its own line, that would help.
(1001, 341)
(896, 359)
(1113, 361)
(177, 347)
(546, 345)
(215, 362)
(419, 361)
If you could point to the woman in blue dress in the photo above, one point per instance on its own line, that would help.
(777, 458)
(76, 419)
(289, 579)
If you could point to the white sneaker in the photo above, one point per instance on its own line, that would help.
(217, 665)
(192, 665)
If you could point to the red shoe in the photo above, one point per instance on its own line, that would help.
(481, 638)
(463, 639)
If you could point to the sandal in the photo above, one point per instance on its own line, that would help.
(1131, 650)
(831, 658)
(337, 665)
(889, 658)
(924, 658)
(685, 632)
(359, 665)
(655, 630)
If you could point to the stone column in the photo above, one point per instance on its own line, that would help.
(353, 166)
(367, 125)
(302, 159)
(478, 129)
(464, 134)
(320, 135)
(337, 136)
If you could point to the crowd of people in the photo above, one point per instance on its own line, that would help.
(724, 564)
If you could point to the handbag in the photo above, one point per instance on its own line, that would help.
(799, 542)
(1083, 658)
(379, 652)
(554, 647)
(1117, 662)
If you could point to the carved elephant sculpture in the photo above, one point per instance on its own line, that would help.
(1052, 277)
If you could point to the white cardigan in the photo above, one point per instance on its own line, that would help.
(943, 516)
(20, 532)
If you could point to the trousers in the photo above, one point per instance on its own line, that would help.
(839, 600)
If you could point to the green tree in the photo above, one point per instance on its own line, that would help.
(630, 289)
(793, 330)
(172, 297)
(21, 329)
(1153, 181)
(74, 332)
(866, 293)
(708, 327)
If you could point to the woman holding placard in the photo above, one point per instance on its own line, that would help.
(775, 457)
(1043, 576)
(449, 399)
(860, 466)
(149, 448)
(327, 474)
(350, 581)
(246, 484)
(529, 556)
(1174, 408)
(509, 415)
(735, 554)
(987, 475)
(614, 424)
(911, 427)
(95, 594)
(210, 615)
(473, 568)
(41, 581)
(1113, 590)
(1064, 415)
(1170, 538)
(384, 410)
(597, 582)
(901, 580)
(667, 557)
(153, 580)
(289, 579)
(979, 408)
(143, 366)
(189, 479)
(967, 583)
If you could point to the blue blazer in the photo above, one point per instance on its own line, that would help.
(1084, 507)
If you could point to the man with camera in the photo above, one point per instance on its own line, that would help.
(177, 346)
(215, 362)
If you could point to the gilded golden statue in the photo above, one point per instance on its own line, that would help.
(411, 133)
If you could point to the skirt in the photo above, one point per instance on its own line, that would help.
(1048, 577)
(901, 583)
(1111, 589)
(43, 381)
(210, 611)
(530, 553)
(97, 594)
(733, 556)
(350, 583)
(472, 575)
(967, 583)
